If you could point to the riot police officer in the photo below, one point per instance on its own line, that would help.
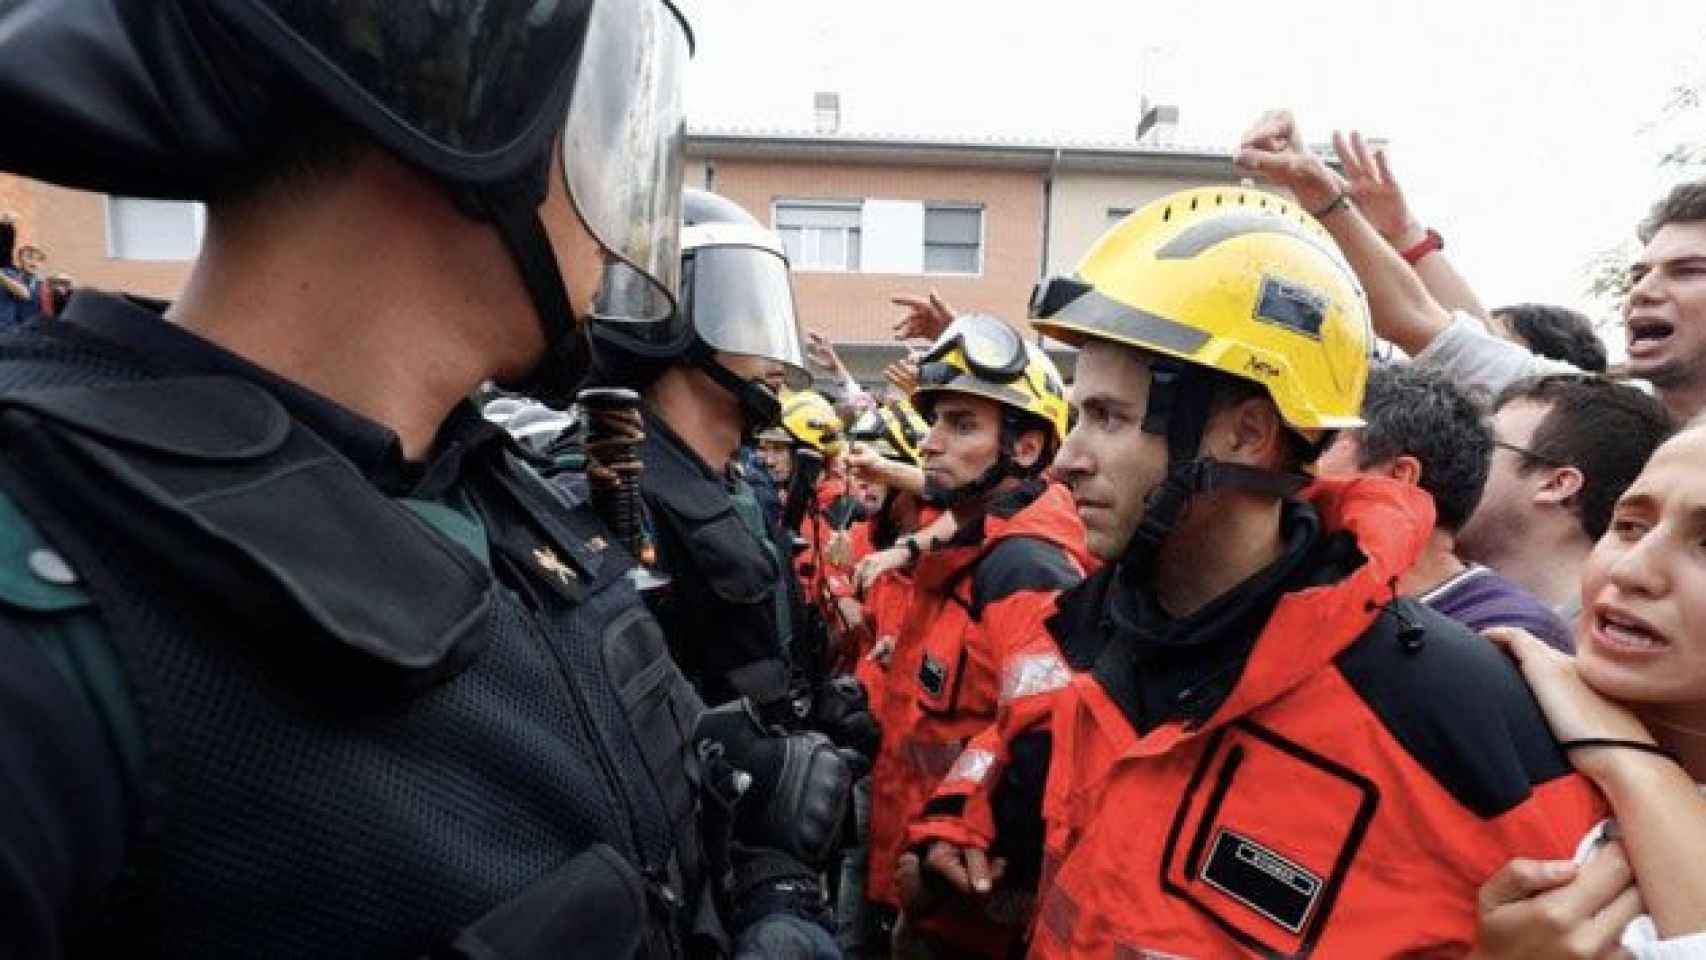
(708, 385)
(297, 658)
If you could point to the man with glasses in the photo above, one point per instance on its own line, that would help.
(1565, 447)
(298, 656)
(1421, 429)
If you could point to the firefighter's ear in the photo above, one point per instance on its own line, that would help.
(1248, 431)
(1028, 448)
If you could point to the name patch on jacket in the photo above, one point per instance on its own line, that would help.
(933, 675)
(1259, 878)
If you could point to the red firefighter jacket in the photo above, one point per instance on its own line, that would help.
(944, 680)
(1371, 766)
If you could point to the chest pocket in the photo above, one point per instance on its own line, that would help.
(1264, 837)
(735, 566)
(952, 657)
(661, 706)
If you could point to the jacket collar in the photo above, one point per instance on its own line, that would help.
(1040, 509)
(1387, 523)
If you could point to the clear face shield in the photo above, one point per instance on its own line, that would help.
(623, 154)
(740, 300)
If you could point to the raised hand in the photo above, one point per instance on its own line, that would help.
(821, 352)
(926, 317)
(1273, 147)
(1369, 181)
(904, 375)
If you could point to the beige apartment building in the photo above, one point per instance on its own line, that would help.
(865, 218)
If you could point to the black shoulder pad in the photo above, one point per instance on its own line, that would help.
(1020, 563)
(210, 478)
(1457, 704)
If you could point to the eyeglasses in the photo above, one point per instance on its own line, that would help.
(1528, 454)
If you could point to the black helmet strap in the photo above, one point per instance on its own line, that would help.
(1013, 423)
(513, 209)
(1180, 399)
(759, 406)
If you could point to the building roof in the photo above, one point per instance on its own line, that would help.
(737, 143)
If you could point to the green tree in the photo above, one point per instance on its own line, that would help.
(1680, 127)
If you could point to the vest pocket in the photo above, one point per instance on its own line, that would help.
(593, 906)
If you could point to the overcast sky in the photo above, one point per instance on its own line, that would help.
(1527, 132)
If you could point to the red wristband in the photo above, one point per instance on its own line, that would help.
(1428, 244)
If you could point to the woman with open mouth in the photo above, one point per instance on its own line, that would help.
(1630, 711)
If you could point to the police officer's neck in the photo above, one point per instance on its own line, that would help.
(367, 287)
(1224, 538)
(704, 415)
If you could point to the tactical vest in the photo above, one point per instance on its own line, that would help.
(726, 602)
(361, 740)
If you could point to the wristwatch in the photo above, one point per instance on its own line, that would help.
(1430, 242)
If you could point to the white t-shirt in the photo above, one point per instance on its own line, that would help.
(1641, 937)
(1481, 363)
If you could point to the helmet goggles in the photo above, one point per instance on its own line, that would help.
(992, 351)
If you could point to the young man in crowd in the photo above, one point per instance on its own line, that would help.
(997, 413)
(1565, 446)
(1261, 746)
(1430, 314)
(1422, 429)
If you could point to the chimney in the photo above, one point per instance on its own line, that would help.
(1156, 123)
(828, 109)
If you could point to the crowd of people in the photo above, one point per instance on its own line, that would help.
(543, 589)
(25, 290)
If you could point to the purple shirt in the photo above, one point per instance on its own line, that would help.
(1478, 598)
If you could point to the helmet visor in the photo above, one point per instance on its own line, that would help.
(741, 301)
(992, 349)
(623, 153)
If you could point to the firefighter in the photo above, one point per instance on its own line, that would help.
(997, 412)
(1257, 747)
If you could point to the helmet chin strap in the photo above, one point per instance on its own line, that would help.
(760, 408)
(1179, 402)
(513, 209)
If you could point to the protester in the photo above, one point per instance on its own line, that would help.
(1552, 331)
(1246, 687)
(19, 300)
(1664, 315)
(1421, 429)
(1564, 448)
(1630, 711)
(300, 657)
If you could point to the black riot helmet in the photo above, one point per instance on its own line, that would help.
(736, 297)
(165, 98)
